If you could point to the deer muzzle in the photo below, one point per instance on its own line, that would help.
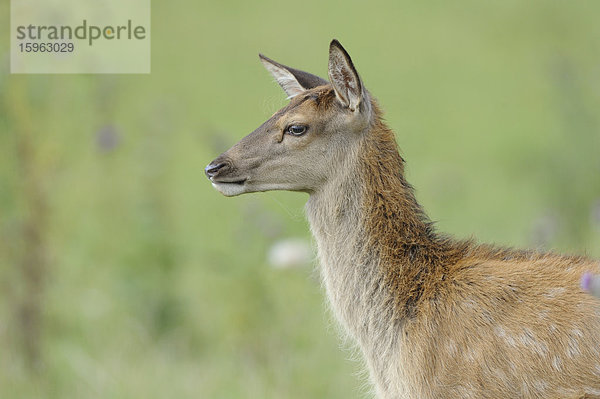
(222, 175)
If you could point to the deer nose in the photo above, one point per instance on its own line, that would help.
(213, 168)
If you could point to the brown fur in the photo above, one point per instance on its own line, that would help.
(456, 292)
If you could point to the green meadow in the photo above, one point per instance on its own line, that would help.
(124, 274)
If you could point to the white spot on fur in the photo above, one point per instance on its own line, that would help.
(554, 292)
(470, 304)
(499, 330)
(501, 333)
(527, 338)
(556, 363)
(592, 391)
(470, 354)
(573, 348)
(511, 341)
(542, 348)
(543, 315)
(464, 391)
(565, 392)
(499, 373)
(540, 385)
(451, 347)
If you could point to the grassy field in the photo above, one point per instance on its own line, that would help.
(123, 274)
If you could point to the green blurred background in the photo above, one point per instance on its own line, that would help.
(123, 274)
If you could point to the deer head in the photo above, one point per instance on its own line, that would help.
(305, 143)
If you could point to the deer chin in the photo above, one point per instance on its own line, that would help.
(230, 188)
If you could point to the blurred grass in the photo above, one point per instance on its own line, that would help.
(156, 285)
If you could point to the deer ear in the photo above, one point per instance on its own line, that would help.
(343, 77)
(291, 80)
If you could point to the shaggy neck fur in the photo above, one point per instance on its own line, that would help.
(379, 253)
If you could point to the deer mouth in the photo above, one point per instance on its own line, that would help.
(229, 181)
(230, 187)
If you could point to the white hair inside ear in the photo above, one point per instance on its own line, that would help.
(286, 80)
(343, 77)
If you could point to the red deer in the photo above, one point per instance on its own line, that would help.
(434, 317)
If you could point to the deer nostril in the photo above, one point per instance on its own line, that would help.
(211, 170)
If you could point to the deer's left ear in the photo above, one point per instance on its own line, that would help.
(344, 78)
(292, 81)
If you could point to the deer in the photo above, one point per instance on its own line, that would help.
(433, 316)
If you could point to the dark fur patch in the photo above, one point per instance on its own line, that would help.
(415, 261)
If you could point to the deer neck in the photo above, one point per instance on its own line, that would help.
(374, 241)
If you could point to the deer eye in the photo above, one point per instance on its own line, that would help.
(296, 130)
